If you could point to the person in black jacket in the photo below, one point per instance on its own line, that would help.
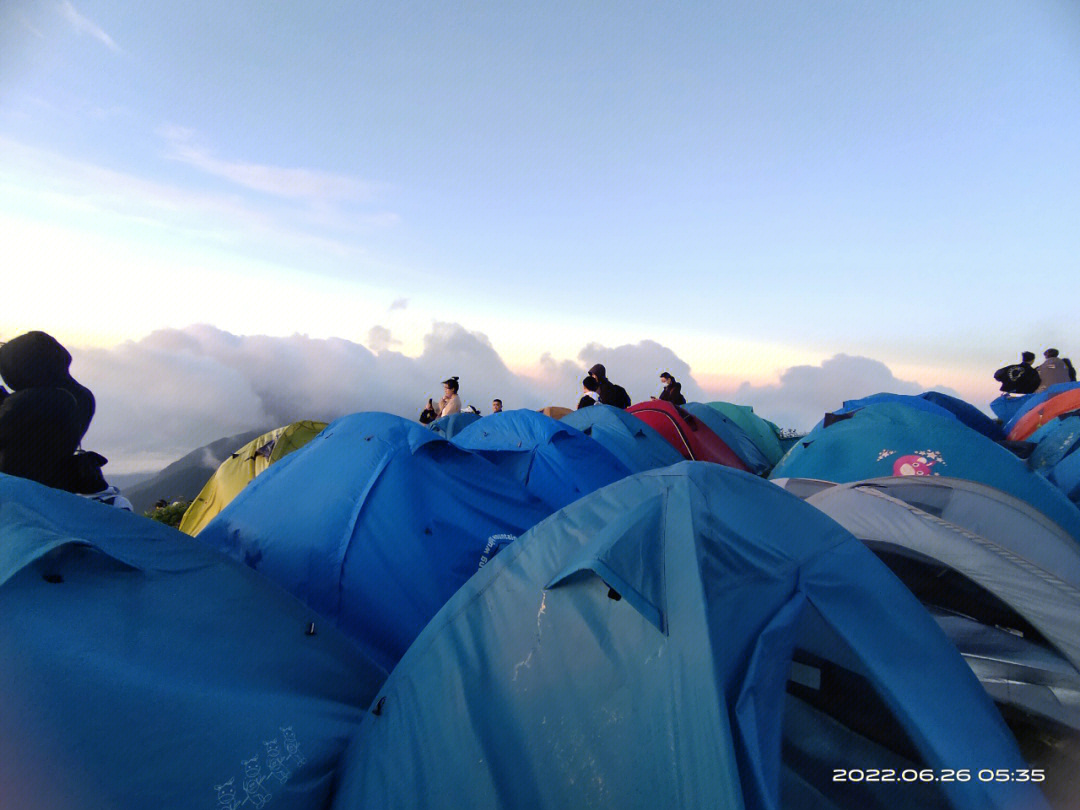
(610, 393)
(1019, 378)
(672, 390)
(46, 416)
(589, 389)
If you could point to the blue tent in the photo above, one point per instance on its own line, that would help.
(140, 668)
(1035, 400)
(626, 437)
(934, 402)
(552, 460)
(894, 439)
(375, 524)
(687, 637)
(1006, 406)
(449, 426)
(733, 436)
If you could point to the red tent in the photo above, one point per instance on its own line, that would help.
(685, 433)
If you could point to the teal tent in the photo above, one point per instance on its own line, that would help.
(761, 431)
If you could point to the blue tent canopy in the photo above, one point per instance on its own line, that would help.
(375, 524)
(140, 668)
(894, 439)
(552, 460)
(626, 437)
(733, 436)
(449, 426)
(686, 637)
(934, 402)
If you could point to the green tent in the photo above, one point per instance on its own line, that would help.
(762, 432)
(242, 466)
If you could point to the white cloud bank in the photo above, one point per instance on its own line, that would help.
(175, 390)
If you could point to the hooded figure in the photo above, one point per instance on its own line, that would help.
(610, 393)
(46, 416)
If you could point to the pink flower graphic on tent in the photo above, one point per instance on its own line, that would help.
(914, 465)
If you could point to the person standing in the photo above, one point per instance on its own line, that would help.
(1019, 378)
(609, 392)
(496, 406)
(451, 402)
(672, 390)
(1053, 370)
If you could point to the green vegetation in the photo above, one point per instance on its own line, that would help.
(170, 515)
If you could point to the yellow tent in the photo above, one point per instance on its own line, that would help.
(243, 465)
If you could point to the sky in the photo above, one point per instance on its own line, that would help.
(782, 203)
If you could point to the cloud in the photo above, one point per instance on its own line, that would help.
(177, 389)
(380, 339)
(399, 303)
(87, 26)
(292, 183)
(805, 393)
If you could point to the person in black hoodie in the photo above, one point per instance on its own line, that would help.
(610, 393)
(672, 390)
(45, 417)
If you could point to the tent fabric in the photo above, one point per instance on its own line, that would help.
(375, 524)
(141, 668)
(1055, 440)
(732, 435)
(1035, 417)
(761, 431)
(934, 402)
(625, 436)
(1035, 400)
(556, 411)
(893, 439)
(686, 433)
(1006, 406)
(451, 425)
(555, 462)
(1035, 572)
(237, 471)
(633, 650)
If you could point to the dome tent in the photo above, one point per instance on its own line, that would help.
(998, 574)
(633, 650)
(375, 524)
(552, 460)
(625, 436)
(761, 431)
(141, 668)
(894, 439)
(732, 435)
(237, 471)
(686, 433)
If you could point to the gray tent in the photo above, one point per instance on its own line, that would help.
(1002, 580)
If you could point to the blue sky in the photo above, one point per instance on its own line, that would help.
(752, 185)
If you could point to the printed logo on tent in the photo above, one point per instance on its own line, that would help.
(920, 462)
(254, 788)
(495, 544)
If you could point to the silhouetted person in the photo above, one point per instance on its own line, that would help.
(589, 388)
(45, 417)
(610, 393)
(1019, 378)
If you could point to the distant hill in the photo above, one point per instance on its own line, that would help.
(183, 479)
